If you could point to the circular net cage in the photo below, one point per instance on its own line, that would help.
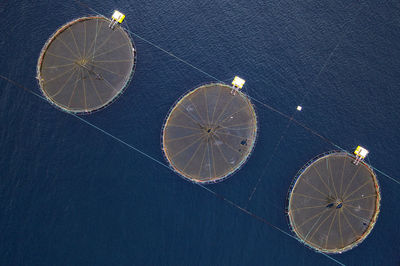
(333, 204)
(209, 133)
(85, 65)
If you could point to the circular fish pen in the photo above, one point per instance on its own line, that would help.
(333, 204)
(85, 65)
(209, 133)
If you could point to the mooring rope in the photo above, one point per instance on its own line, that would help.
(290, 118)
(146, 155)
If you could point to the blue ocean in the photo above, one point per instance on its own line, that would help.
(72, 195)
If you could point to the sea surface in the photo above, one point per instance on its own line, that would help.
(72, 195)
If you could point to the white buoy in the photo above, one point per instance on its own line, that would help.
(299, 108)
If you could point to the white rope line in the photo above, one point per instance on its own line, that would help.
(168, 167)
(202, 186)
(252, 98)
(264, 104)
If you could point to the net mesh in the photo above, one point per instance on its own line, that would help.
(334, 204)
(209, 133)
(85, 65)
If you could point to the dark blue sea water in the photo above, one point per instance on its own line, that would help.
(70, 195)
